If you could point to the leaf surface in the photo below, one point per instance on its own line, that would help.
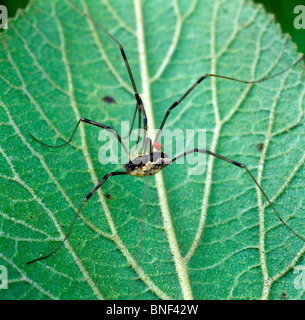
(170, 236)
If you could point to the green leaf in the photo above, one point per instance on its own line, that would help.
(173, 235)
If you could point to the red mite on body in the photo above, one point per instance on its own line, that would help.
(157, 145)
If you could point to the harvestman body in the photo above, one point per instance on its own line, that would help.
(151, 162)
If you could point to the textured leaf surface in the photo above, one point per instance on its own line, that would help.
(208, 236)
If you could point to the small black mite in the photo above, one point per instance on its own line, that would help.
(260, 146)
(108, 196)
(109, 100)
(283, 296)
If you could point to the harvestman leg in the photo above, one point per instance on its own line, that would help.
(240, 165)
(176, 103)
(139, 106)
(133, 121)
(139, 127)
(89, 195)
(100, 125)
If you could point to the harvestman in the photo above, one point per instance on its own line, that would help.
(151, 162)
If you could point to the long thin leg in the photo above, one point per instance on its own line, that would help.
(176, 103)
(132, 124)
(137, 96)
(149, 143)
(89, 195)
(248, 171)
(139, 128)
(100, 125)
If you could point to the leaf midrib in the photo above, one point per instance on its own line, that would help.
(180, 264)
